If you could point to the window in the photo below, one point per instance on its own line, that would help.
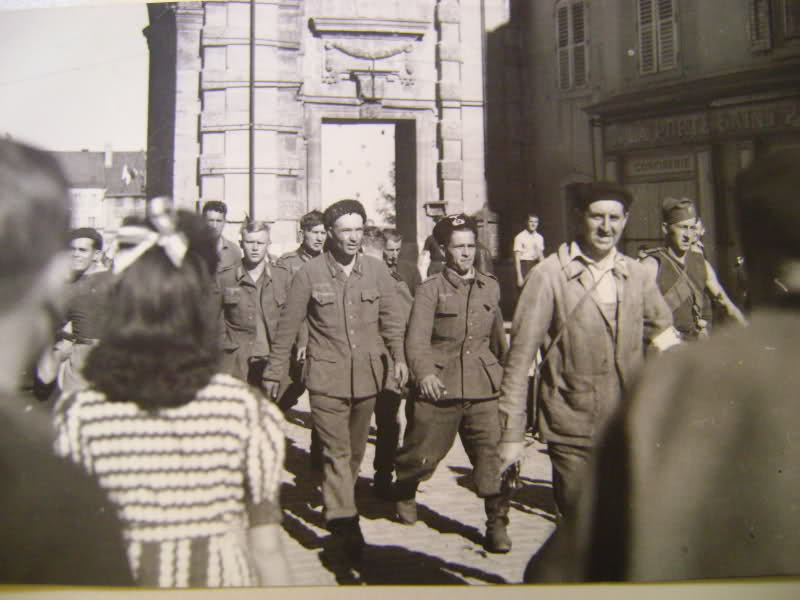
(572, 44)
(773, 23)
(658, 36)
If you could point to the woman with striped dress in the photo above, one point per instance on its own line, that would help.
(192, 459)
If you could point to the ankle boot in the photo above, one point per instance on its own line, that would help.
(347, 536)
(404, 493)
(497, 540)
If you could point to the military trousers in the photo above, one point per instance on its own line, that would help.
(387, 438)
(343, 428)
(431, 435)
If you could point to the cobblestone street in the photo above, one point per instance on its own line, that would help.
(444, 547)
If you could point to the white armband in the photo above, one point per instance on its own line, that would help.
(666, 339)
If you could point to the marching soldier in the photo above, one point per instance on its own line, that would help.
(455, 345)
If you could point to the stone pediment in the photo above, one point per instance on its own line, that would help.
(372, 52)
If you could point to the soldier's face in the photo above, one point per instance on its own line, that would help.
(601, 225)
(254, 245)
(680, 235)
(346, 234)
(391, 252)
(533, 223)
(215, 220)
(314, 238)
(460, 251)
(83, 254)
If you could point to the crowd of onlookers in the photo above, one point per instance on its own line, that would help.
(157, 456)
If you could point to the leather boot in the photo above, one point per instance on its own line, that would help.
(497, 540)
(404, 493)
(347, 536)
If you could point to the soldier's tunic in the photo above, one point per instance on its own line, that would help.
(249, 317)
(350, 318)
(683, 288)
(456, 333)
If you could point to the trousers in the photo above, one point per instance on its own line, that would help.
(568, 463)
(433, 431)
(343, 429)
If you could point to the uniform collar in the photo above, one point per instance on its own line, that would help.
(303, 254)
(575, 262)
(242, 273)
(335, 268)
(457, 281)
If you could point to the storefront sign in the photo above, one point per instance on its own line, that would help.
(659, 165)
(768, 117)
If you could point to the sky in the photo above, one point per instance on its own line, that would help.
(74, 78)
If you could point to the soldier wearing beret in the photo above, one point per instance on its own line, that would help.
(350, 304)
(455, 344)
(589, 308)
(683, 275)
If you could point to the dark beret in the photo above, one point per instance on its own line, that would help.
(447, 225)
(583, 194)
(87, 232)
(675, 210)
(768, 209)
(341, 208)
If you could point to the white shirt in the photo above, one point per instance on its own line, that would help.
(527, 244)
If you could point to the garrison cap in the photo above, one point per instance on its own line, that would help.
(586, 193)
(675, 210)
(447, 225)
(769, 210)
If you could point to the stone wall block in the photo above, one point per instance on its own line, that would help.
(448, 11)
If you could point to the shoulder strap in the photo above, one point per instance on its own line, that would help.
(683, 276)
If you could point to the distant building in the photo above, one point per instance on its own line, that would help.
(105, 187)
(669, 97)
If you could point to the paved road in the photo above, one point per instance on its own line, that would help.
(444, 547)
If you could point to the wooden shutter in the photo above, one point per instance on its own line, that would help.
(647, 37)
(563, 48)
(792, 18)
(579, 46)
(667, 35)
(760, 26)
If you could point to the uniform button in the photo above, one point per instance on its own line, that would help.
(352, 331)
(354, 345)
(467, 351)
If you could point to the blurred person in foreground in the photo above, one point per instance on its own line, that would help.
(590, 309)
(191, 458)
(698, 478)
(57, 526)
(455, 346)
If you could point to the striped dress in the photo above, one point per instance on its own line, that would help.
(187, 482)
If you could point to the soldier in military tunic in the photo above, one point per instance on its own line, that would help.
(455, 344)
(683, 275)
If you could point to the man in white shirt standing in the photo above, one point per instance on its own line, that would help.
(528, 249)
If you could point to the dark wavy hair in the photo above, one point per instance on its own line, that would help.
(160, 343)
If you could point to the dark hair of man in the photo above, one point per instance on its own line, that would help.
(392, 235)
(88, 233)
(341, 208)
(34, 216)
(447, 226)
(159, 347)
(373, 238)
(216, 206)
(311, 220)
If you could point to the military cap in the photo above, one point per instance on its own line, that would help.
(447, 225)
(675, 210)
(584, 194)
(90, 233)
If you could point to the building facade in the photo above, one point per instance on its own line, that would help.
(669, 97)
(239, 91)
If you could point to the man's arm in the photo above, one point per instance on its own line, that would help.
(391, 314)
(717, 292)
(292, 317)
(420, 328)
(531, 322)
(518, 261)
(658, 327)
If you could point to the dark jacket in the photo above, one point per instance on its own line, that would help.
(349, 320)
(456, 333)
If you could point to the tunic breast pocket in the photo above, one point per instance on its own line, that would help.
(232, 304)
(370, 304)
(323, 306)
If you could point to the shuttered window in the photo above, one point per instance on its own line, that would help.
(572, 44)
(658, 35)
(792, 18)
(760, 26)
